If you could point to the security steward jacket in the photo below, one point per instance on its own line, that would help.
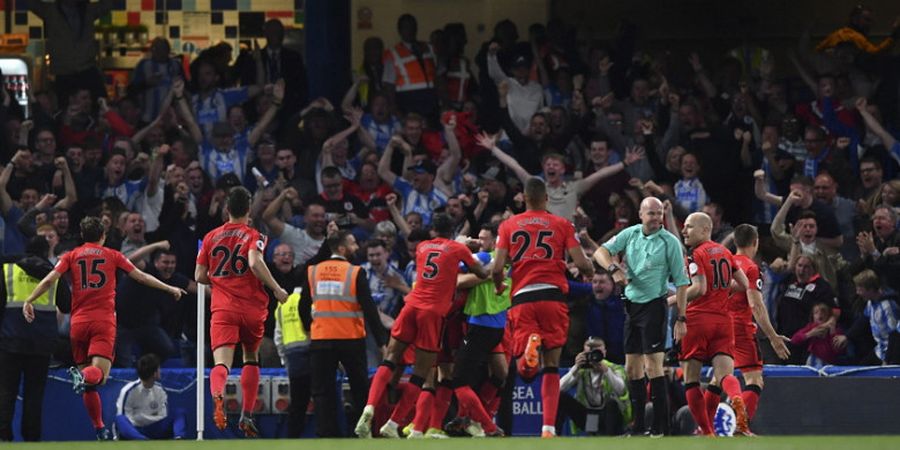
(19, 280)
(336, 304)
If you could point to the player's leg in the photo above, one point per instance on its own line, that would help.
(423, 367)
(528, 340)
(383, 375)
(94, 376)
(694, 397)
(499, 371)
(712, 396)
(443, 394)
(753, 386)
(249, 388)
(723, 368)
(424, 404)
(553, 320)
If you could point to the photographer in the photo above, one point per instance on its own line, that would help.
(599, 390)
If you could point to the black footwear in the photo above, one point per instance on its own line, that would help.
(248, 426)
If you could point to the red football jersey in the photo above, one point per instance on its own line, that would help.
(537, 242)
(438, 261)
(225, 252)
(92, 273)
(738, 305)
(716, 264)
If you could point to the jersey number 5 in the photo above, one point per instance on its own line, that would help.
(431, 269)
(238, 263)
(523, 240)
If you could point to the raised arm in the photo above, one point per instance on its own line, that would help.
(759, 188)
(6, 202)
(271, 214)
(494, 69)
(384, 164)
(350, 95)
(448, 168)
(156, 169)
(872, 123)
(137, 257)
(632, 155)
(708, 87)
(490, 142)
(779, 233)
(184, 110)
(71, 192)
(392, 201)
(263, 123)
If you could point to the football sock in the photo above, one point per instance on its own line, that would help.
(423, 409)
(698, 407)
(409, 398)
(751, 399)
(660, 399)
(442, 398)
(712, 396)
(249, 387)
(466, 397)
(93, 406)
(217, 377)
(731, 386)
(92, 375)
(638, 390)
(550, 394)
(380, 381)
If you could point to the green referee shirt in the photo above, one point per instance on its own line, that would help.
(651, 261)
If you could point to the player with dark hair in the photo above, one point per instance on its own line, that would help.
(419, 322)
(744, 306)
(536, 243)
(231, 261)
(92, 275)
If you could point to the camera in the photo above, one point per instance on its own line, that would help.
(593, 357)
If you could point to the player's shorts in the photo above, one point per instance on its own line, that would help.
(707, 337)
(90, 339)
(452, 337)
(229, 328)
(548, 318)
(746, 349)
(418, 327)
(645, 327)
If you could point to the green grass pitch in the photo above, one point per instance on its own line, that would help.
(583, 443)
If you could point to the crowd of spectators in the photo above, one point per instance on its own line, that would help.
(422, 129)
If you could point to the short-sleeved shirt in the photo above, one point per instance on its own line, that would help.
(422, 203)
(225, 252)
(303, 245)
(92, 277)
(128, 191)
(716, 264)
(738, 304)
(435, 283)
(216, 163)
(651, 261)
(563, 199)
(537, 242)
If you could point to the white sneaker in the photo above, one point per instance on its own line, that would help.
(364, 424)
(413, 435)
(475, 430)
(391, 430)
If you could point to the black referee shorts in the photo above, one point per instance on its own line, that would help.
(645, 326)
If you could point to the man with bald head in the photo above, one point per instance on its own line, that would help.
(703, 325)
(654, 257)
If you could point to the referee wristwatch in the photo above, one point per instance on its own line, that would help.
(681, 319)
(612, 268)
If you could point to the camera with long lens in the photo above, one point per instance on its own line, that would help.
(593, 357)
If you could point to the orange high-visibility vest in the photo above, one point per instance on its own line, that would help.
(336, 312)
(411, 75)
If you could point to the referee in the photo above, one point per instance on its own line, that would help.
(653, 256)
(335, 307)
